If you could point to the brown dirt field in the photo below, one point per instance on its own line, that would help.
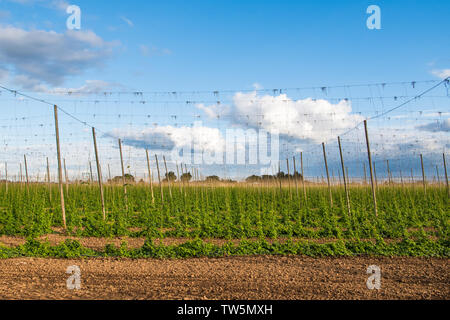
(258, 277)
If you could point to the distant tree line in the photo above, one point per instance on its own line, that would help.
(279, 176)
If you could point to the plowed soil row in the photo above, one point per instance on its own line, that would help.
(258, 277)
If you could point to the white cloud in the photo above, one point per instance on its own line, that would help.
(214, 111)
(36, 57)
(127, 21)
(169, 137)
(3, 73)
(90, 86)
(436, 126)
(441, 73)
(310, 120)
(52, 4)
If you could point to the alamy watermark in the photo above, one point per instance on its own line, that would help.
(374, 20)
(374, 281)
(241, 147)
(74, 20)
(74, 281)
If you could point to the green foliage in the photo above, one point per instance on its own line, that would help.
(410, 222)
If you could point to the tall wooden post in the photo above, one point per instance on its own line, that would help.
(328, 175)
(423, 175)
(371, 170)
(159, 180)
(182, 180)
(186, 170)
(99, 173)
(388, 172)
(124, 184)
(91, 176)
(437, 176)
(365, 173)
(345, 180)
(109, 174)
(60, 177)
(289, 178)
(303, 176)
(48, 182)
(279, 174)
(295, 176)
(375, 175)
(446, 177)
(66, 177)
(179, 179)
(167, 176)
(26, 171)
(150, 175)
(6, 176)
(401, 178)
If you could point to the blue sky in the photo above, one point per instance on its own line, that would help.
(218, 45)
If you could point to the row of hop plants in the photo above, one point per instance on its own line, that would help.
(226, 212)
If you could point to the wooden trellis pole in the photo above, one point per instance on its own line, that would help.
(150, 175)
(99, 173)
(295, 176)
(6, 176)
(375, 174)
(289, 178)
(48, 182)
(328, 175)
(374, 195)
(91, 176)
(401, 178)
(159, 180)
(167, 176)
(279, 174)
(437, 175)
(26, 171)
(124, 184)
(58, 151)
(423, 175)
(365, 173)
(303, 176)
(388, 172)
(66, 177)
(446, 177)
(179, 178)
(186, 170)
(345, 181)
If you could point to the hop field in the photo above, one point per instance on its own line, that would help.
(206, 219)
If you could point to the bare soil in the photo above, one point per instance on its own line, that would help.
(258, 277)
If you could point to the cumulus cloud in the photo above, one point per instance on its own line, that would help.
(214, 111)
(90, 86)
(52, 4)
(127, 21)
(3, 73)
(309, 120)
(170, 137)
(441, 73)
(437, 126)
(38, 56)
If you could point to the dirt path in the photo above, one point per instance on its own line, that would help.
(259, 277)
